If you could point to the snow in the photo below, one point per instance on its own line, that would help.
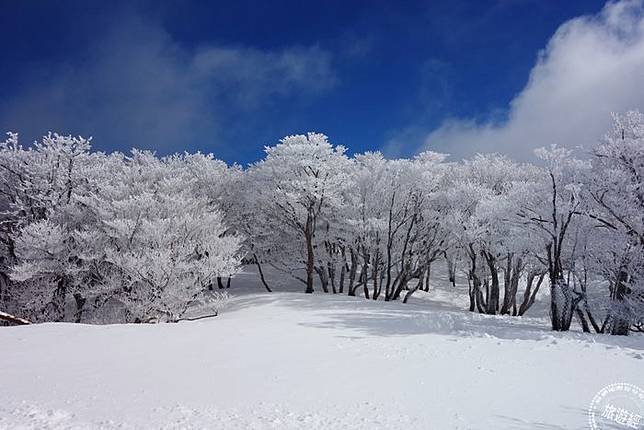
(289, 360)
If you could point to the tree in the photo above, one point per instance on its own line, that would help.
(165, 242)
(549, 209)
(41, 186)
(298, 183)
(483, 201)
(139, 231)
(617, 196)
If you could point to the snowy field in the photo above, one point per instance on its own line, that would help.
(288, 360)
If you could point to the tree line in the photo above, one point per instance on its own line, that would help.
(127, 238)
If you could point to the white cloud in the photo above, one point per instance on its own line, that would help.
(592, 65)
(139, 87)
(252, 75)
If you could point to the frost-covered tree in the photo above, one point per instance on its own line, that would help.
(483, 203)
(164, 241)
(617, 197)
(42, 184)
(299, 183)
(367, 222)
(549, 209)
(431, 238)
(148, 235)
(143, 232)
(394, 223)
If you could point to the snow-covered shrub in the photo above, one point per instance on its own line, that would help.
(135, 232)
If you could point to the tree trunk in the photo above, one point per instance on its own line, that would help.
(261, 274)
(511, 278)
(562, 304)
(324, 279)
(365, 285)
(352, 272)
(472, 295)
(481, 303)
(13, 319)
(493, 298)
(331, 270)
(374, 276)
(451, 270)
(343, 271)
(556, 305)
(80, 302)
(582, 320)
(428, 273)
(402, 284)
(361, 278)
(57, 304)
(619, 322)
(474, 281)
(591, 318)
(507, 275)
(310, 257)
(529, 296)
(419, 286)
(4, 288)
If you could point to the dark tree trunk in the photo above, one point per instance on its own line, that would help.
(80, 302)
(343, 271)
(473, 280)
(592, 320)
(419, 286)
(405, 266)
(374, 276)
(390, 238)
(401, 285)
(507, 276)
(4, 288)
(481, 304)
(365, 285)
(57, 304)
(428, 274)
(361, 278)
(472, 296)
(353, 268)
(562, 303)
(310, 257)
(582, 320)
(331, 270)
(13, 319)
(511, 286)
(529, 295)
(494, 289)
(324, 279)
(619, 323)
(261, 274)
(451, 270)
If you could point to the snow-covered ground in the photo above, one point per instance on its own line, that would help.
(287, 360)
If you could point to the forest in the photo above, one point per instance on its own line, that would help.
(92, 237)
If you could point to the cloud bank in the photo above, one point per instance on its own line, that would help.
(139, 87)
(592, 66)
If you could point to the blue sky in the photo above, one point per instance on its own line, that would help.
(232, 77)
